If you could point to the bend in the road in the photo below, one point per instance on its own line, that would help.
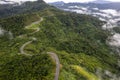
(56, 59)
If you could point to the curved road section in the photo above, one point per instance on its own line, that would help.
(56, 59)
(53, 55)
(22, 48)
(25, 44)
(27, 27)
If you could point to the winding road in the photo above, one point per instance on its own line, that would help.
(53, 55)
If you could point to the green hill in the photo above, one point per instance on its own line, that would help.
(76, 39)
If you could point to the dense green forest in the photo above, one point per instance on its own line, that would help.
(77, 39)
(27, 7)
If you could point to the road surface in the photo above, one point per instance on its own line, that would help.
(56, 59)
(27, 27)
(22, 48)
(36, 22)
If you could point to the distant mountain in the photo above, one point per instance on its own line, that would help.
(58, 2)
(101, 2)
(104, 10)
(95, 4)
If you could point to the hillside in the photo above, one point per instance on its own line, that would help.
(77, 40)
(7, 10)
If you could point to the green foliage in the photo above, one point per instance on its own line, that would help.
(87, 75)
(16, 24)
(32, 49)
(38, 67)
(75, 37)
(78, 34)
(66, 75)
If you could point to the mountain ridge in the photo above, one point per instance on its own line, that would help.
(26, 7)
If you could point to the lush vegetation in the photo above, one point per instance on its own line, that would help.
(83, 72)
(81, 36)
(16, 24)
(38, 67)
(78, 40)
(14, 66)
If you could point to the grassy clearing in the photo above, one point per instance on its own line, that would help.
(32, 26)
(84, 73)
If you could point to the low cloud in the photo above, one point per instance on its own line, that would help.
(115, 40)
(1, 32)
(111, 11)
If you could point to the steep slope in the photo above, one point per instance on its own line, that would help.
(78, 41)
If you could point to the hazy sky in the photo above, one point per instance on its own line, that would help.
(67, 0)
(79, 0)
